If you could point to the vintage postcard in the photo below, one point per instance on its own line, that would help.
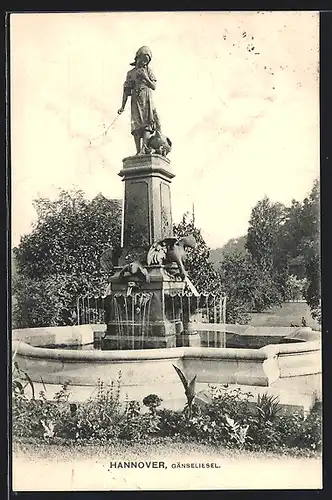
(165, 251)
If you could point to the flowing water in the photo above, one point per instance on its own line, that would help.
(132, 317)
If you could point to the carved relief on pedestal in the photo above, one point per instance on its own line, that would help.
(165, 210)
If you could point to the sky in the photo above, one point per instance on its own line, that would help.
(237, 93)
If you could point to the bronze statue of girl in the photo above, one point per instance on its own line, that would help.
(139, 83)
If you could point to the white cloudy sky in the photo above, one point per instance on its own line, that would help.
(237, 94)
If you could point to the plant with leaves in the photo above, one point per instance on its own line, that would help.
(311, 248)
(238, 432)
(98, 418)
(264, 228)
(267, 406)
(300, 243)
(152, 401)
(69, 235)
(189, 389)
(233, 245)
(233, 402)
(49, 429)
(135, 425)
(20, 380)
(295, 287)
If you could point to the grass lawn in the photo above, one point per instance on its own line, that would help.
(49, 467)
(289, 313)
(132, 450)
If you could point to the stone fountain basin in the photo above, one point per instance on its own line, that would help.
(290, 369)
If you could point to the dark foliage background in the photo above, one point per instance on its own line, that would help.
(277, 260)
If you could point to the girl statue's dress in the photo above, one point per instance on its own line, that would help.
(143, 112)
(139, 84)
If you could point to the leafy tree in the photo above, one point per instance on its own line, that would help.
(59, 260)
(295, 287)
(69, 236)
(285, 243)
(290, 242)
(217, 254)
(49, 301)
(266, 230)
(311, 248)
(248, 287)
(263, 233)
(236, 282)
(300, 245)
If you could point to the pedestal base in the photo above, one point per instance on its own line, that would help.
(129, 335)
(188, 340)
(126, 342)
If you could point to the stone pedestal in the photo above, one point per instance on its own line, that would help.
(147, 213)
(189, 339)
(137, 315)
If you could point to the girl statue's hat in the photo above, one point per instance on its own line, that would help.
(143, 51)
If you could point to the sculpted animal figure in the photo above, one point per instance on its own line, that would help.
(159, 144)
(110, 258)
(171, 250)
(135, 269)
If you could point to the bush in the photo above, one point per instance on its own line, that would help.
(137, 426)
(37, 417)
(231, 419)
(60, 259)
(152, 401)
(233, 402)
(297, 431)
(50, 301)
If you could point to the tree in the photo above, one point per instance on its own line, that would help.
(301, 245)
(290, 242)
(266, 230)
(69, 236)
(311, 248)
(285, 243)
(59, 260)
(248, 287)
(296, 287)
(217, 254)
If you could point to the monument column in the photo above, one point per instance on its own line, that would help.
(147, 200)
(150, 269)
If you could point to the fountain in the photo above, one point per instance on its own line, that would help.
(138, 312)
(154, 316)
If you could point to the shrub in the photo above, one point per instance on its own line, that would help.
(230, 419)
(152, 401)
(28, 415)
(135, 425)
(97, 418)
(233, 402)
(171, 423)
(50, 301)
(300, 432)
